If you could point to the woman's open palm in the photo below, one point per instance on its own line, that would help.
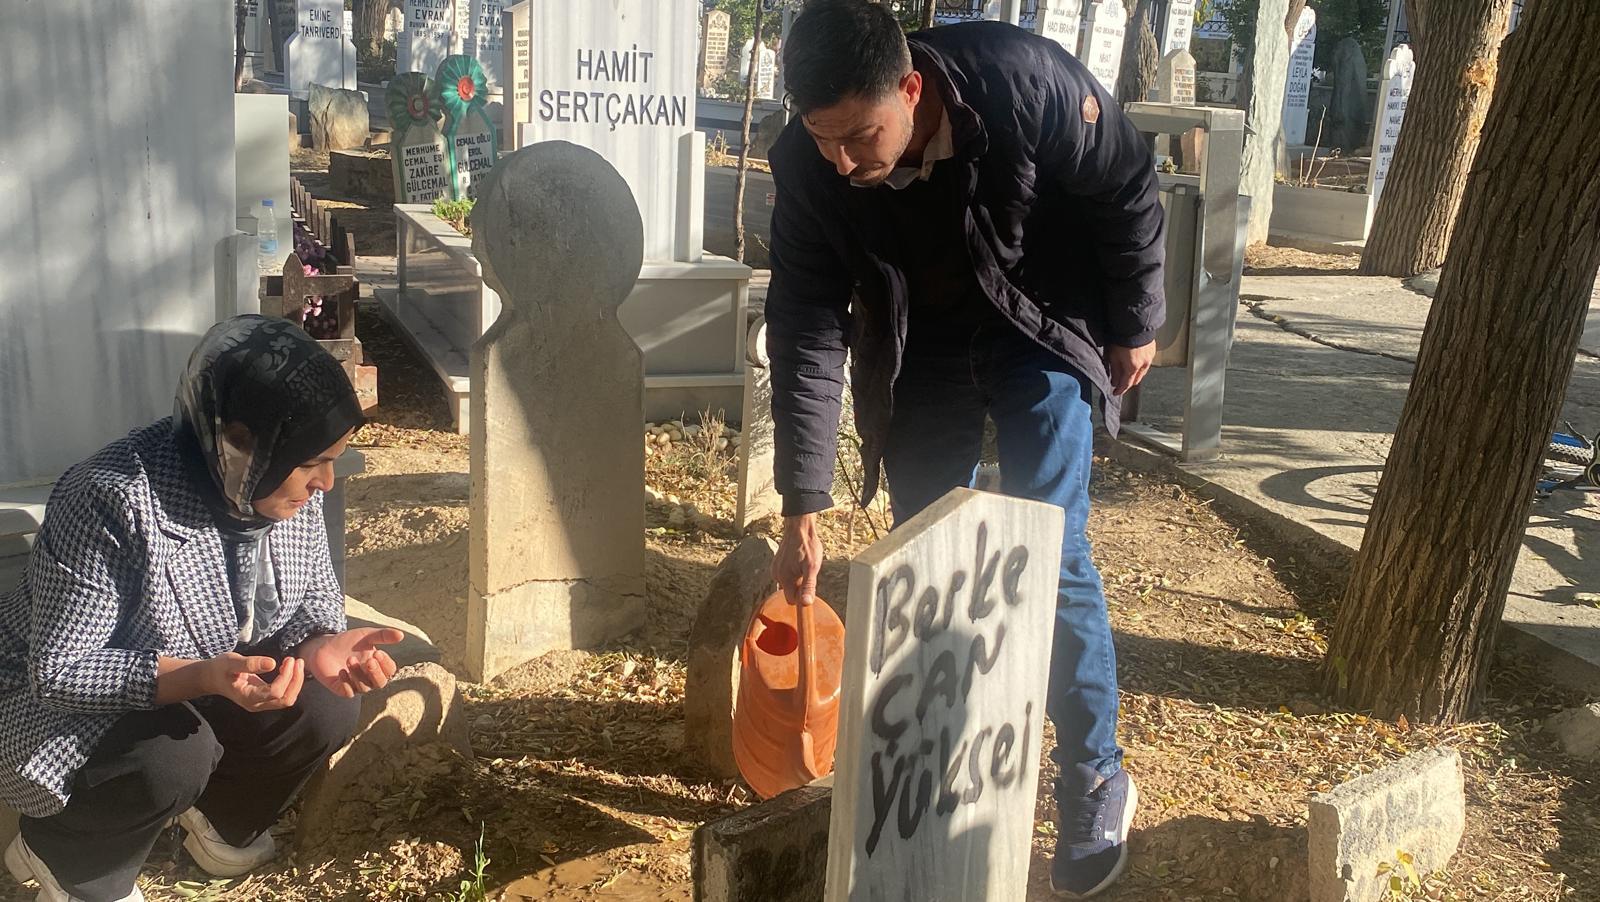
(351, 662)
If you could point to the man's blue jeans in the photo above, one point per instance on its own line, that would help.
(1040, 407)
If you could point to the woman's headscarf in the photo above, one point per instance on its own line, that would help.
(259, 398)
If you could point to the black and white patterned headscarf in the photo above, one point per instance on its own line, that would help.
(259, 398)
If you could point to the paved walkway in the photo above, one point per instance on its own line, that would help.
(1319, 371)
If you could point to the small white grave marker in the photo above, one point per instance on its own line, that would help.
(947, 656)
(1108, 24)
(1175, 79)
(1392, 97)
(1297, 92)
(320, 50)
(1060, 21)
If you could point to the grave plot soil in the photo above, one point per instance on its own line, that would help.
(1269, 260)
(580, 791)
(371, 219)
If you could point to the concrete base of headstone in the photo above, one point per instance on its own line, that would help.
(421, 706)
(521, 623)
(742, 582)
(339, 118)
(1577, 731)
(1416, 805)
(776, 851)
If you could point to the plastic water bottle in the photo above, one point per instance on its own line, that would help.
(267, 231)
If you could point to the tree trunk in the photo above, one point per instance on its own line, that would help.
(744, 133)
(238, 44)
(1140, 56)
(927, 12)
(1247, 72)
(369, 18)
(1427, 588)
(1444, 117)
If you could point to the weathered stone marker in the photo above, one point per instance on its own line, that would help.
(772, 852)
(338, 118)
(557, 558)
(947, 651)
(1102, 47)
(1297, 92)
(417, 150)
(1175, 79)
(742, 582)
(1416, 805)
(758, 489)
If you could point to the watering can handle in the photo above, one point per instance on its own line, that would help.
(806, 622)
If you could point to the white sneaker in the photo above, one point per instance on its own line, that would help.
(214, 854)
(25, 866)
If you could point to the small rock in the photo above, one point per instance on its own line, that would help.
(673, 499)
(652, 495)
(482, 724)
(722, 444)
(1577, 731)
(677, 517)
(691, 431)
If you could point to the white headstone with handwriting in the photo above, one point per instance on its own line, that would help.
(1395, 91)
(1297, 90)
(618, 77)
(947, 657)
(1108, 24)
(1060, 21)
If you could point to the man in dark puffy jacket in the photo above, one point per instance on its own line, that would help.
(969, 213)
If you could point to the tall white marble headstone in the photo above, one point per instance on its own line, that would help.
(320, 51)
(485, 43)
(767, 75)
(1297, 90)
(1179, 27)
(1392, 98)
(517, 59)
(1060, 21)
(714, 43)
(618, 77)
(1108, 25)
(259, 56)
(461, 28)
(425, 42)
(947, 651)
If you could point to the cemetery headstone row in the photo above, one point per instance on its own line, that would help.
(434, 158)
(435, 29)
(1297, 93)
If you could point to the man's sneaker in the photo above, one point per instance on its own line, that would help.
(213, 853)
(1092, 844)
(25, 866)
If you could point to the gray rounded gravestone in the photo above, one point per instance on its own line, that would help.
(557, 555)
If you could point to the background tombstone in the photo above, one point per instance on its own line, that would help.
(1060, 21)
(485, 42)
(517, 51)
(1393, 93)
(714, 51)
(557, 527)
(767, 74)
(1175, 79)
(966, 590)
(320, 50)
(461, 27)
(1347, 106)
(259, 57)
(1179, 27)
(417, 148)
(1102, 52)
(425, 41)
(1297, 92)
(469, 134)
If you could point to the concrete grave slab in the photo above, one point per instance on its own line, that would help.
(772, 852)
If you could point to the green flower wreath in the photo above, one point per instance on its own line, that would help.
(462, 86)
(412, 100)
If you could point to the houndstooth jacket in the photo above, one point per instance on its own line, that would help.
(128, 566)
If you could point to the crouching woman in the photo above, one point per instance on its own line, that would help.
(177, 650)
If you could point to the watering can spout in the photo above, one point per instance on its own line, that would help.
(787, 714)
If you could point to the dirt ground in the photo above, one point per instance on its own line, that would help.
(579, 789)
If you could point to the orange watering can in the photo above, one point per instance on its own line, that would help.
(786, 719)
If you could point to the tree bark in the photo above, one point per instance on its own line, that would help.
(1140, 56)
(744, 136)
(1264, 116)
(1428, 587)
(927, 12)
(369, 18)
(1444, 117)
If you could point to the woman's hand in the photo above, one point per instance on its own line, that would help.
(350, 663)
(237, 678)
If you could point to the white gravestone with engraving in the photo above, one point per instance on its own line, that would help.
(618, 77)
(1392, 97)
(1060, 21)
(947, 652)
(485, 44)
(767, 74)
(516, 50)
(258, 53)
(417, 149)
(320, 50)
(1297, 91)
(1179, 27)
(425, 42)
(461, 27)
(1108, 24)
